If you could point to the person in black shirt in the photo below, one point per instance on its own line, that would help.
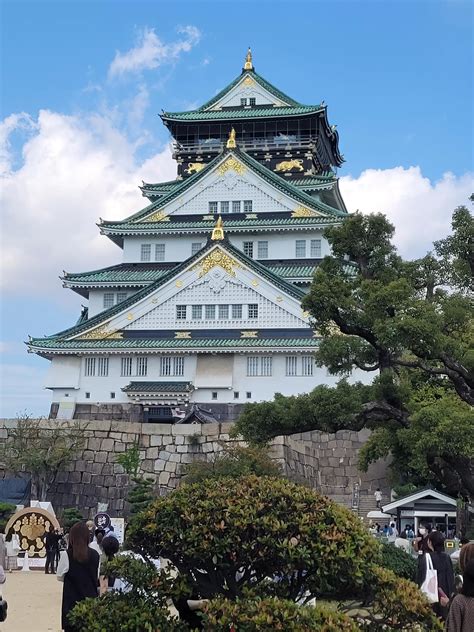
(443, 565)
(51, 545)
(78, 568)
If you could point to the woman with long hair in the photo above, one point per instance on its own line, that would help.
(78, 568)
(461, 612)
(444, 568)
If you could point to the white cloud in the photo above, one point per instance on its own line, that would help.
(10, 124)
(74, 170)
(151, 52)
(420, 209)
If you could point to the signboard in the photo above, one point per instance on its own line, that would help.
(119, 528)
(102, 521)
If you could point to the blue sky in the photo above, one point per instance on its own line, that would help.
(82, 83)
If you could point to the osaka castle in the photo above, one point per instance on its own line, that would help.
(203, 314)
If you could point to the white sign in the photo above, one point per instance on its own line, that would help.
(33, 562)
(119, 528)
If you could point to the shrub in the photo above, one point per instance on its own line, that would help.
(398, 561)
(223, 538)
(234, 461)
(6, 511)
(261, 615)
(70, 517)
(142, 607)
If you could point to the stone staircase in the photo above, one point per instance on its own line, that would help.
(367, 503)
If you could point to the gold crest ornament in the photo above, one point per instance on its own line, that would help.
(248, 60)
(158, 216)
(216, 258)
(289, 165)
(303, 211)
(231, 164)
(218, 231)
(248, 334)
(194, 167)
(231, 144)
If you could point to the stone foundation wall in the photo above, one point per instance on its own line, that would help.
(324, 462)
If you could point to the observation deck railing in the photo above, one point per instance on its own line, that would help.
(255, 144)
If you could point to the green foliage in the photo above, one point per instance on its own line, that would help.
(130, 460)
(143, 608)
(398, 561)
(457, 250)
(6, 511)
(70, 517)
(269, 614)
(233, 461)
(224, 538)
(141, 494)
(41, 449)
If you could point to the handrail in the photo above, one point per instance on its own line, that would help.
(217, 145)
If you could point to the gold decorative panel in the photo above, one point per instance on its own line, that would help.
(289, 165)
(231, 164)
(215, 258)
(303, 211)
(99, 333)
(158, 216)
(179, 283)
(255, 282)
(248, 334)
(182, 335)
(248, 81)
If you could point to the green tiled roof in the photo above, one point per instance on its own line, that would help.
(171, 344)
(259, 79)
(159, 187)
(107, 314)
(244, 113)
(274, 179)
(158, 387)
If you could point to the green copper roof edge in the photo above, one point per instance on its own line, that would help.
(259, 79)
(252, 113)
(106, 315)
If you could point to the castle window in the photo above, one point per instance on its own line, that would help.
(248, 206)
(145, 252)
(112, 395)
(88, 395)
(108, 300)
(224, 207)
(103, 367)
(236, 394)
(178, 366)
(307, 364)
(253, 101)
(236, 206)
(259, 366)
(248, 395)
(197, 312)
(262, 249)
(126, 367)
(142, 366)
(214, 394)
(89, 367)
(213, 207)
(180, 312)
(196, 247)
(316, 248)
(210, 312)
(292, 365)
(248, 248)
(243, 102)
(121, 296)
(300, 248)
(266, 366)
(223, 312)
(165, 366)
(159, 252)
(252, 366)
(253, 310)
(236, 311)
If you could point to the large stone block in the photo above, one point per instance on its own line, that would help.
(159, 465)
(107, 445)
(164, 478)
(175, 458)
(119, 447)
(186, 429)
(164, 455)
(161, 429)
(152, 453)
(170, 467)
(101, 457)
(93, 444)
(156, 440)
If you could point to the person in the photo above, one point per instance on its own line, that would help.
(378, 498)
(385, 530)
(96, 543)
(52, 545)
(420, 543)
(392, 533)
(409, 531)
(444, 568)
(461, 612)
(377, 528)
(78, 568)
(111, 533)
(110, 546)
(455, 556)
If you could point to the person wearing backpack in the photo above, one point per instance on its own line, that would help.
(441, 563)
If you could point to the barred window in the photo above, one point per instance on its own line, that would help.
(181, 312)
(252, 366)
(262, 249)
(121, 296)
(236, 206)
(253, 100)
(142, 366)
(223, 312)
(292, 365)
(236, 311)
(210, 311)
(197, 312)
(213, 207)
(253, 310)
(89, 367)
(103, 367)
(316, 248)
(178, 366)
(307, 363)
(243, 102)
(145, 252)
(165, 366)
(300, 248)
(259, 366)
(160, 252)
(224, 207)
(108, 300)
(196, 247)
(126, 367)
(248, 206)
(266, 366)
(248, 248)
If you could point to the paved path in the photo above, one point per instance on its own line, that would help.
(34, 602)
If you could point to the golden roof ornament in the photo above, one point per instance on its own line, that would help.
(248, 60)
(231, 144)
(218, 231)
